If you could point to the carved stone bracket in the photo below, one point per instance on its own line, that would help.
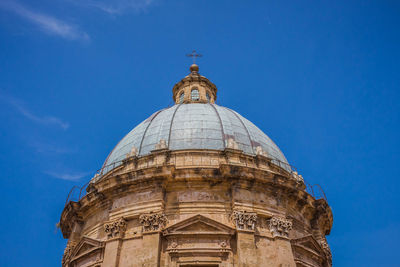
(153, 222)
(116, 228)
(244, 220)
(280, 226)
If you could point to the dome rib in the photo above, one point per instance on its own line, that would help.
(220, 123)
(170, 126)
(194, 126)
(245, 127)
(148, 126)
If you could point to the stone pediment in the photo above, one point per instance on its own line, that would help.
(198, 224)
(309, 243)
(308, 251)
(88, 246)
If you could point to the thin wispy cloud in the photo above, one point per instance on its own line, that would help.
(44, 120)
(50, 148)
(46, 23)
(66, 175)
(115, 7)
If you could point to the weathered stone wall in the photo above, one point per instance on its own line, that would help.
(197, 208)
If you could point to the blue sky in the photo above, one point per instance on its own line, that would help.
(321, 78)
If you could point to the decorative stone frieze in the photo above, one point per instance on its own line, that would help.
(116, 228)
(153, 222)
(244, 220)
(280, 226)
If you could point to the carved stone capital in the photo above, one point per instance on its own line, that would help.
(153, 222)
(280, 226)
(244, 220)
(116, 228)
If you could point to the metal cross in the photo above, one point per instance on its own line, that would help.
(194, 55)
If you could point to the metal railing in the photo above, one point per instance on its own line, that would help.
(314, 190)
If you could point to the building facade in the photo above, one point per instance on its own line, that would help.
(196, 184)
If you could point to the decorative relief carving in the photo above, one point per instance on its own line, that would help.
(244, 220)
(153, 222)
(115, 229)
(280, 226)
(224, 244)
(173, 245)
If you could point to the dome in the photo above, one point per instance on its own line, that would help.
(195, 126)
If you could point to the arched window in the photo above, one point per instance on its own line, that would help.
(181, 97)
(208, 97)
(195, 94)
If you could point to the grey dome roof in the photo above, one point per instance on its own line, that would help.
(194, 126)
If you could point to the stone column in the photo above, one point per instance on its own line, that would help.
(152, 225)
(246, 248)
(280, 228)
(115, 231)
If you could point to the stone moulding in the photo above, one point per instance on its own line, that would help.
(326, 248)
(153, 222)
(280, 226)
(244, 220)
(88, 249)
(200, 237)
(116, 228)
(308, 252)
(68, 251)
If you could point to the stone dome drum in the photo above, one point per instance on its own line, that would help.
(196, 184)
(195, 126)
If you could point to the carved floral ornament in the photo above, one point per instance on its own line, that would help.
(115, 228)
(280, 226)
(153, 222)
(244, 220)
